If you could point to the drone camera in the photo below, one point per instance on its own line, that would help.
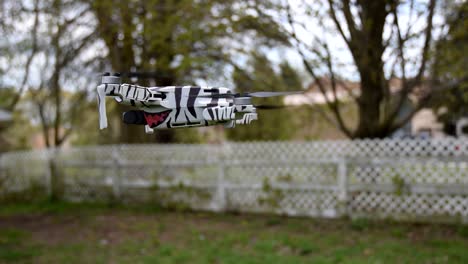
(111, 79)
(134, 117)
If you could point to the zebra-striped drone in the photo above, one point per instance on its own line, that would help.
(167, 107)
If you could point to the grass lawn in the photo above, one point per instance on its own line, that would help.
(65, 233)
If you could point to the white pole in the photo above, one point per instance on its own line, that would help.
(116, 179)
(342, 187)
(221, 192)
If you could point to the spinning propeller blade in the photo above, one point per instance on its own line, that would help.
(271, 94)
(215, 96)
(269, 107)
(139, 75)
(254, 94)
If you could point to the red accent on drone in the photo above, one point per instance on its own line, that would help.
(155, 119)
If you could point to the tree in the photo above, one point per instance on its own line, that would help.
(381, 47)
(180, 41)
(14, 44)
(52, 49)
(273, 124)
(59, 110)
(5, 94)
(451, 65)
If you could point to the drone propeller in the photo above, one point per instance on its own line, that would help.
(270, 107)
(135, 74)
(271, 94)
(253, 94)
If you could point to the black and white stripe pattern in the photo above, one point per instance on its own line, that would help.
(189, 105)
(247, 119)
(219, 113)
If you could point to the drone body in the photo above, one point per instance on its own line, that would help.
(177, 106)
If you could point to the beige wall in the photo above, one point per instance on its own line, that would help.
(426, 120)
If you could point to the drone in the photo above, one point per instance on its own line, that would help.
(167, 107)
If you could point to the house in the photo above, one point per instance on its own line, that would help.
(313, 95)
(423, 124)
(462, 128)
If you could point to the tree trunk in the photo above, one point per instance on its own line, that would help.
(57, 184)
(370, 101)
(367, 47)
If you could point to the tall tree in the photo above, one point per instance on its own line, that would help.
(382, 39)
(180, 41)
(61, 32)
(17, 42)
(50, 54)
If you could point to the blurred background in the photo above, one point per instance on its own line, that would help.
(403, 74)
(379, 132)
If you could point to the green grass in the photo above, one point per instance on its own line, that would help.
(12, 248)
(93, 233)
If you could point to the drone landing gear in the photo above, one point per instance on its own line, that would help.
(230, 124)
(148, 130)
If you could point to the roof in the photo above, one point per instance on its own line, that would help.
(5, 115)
(313, 95)
(344, 91)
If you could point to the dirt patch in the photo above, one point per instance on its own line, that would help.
(114, 227)
(105, 229)
(44, 228)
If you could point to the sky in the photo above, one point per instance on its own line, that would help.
(324, 29)
(341, 55)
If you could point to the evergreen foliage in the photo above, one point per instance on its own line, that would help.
(272, 124)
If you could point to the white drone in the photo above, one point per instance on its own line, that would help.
(179, 106)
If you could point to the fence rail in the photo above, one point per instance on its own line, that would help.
(408, 180)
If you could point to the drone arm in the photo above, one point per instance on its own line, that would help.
(245, 108)
(101, 91)
(247, 119)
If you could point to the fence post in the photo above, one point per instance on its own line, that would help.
(221, 191)
(116, 179)
(57, 179)
(50, 156)
(2, 176)
(342, 187)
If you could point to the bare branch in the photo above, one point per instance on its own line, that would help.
(422, 103)
(409, 85)
(410, 25)
(428, 37)
(348, 90)
(329, 63)
(401, 46)
(332, 105)
(75, 110)
(70, 54)
(44, 122)
(34, 48)
(337, 23)
(392, 114)
(353, 30)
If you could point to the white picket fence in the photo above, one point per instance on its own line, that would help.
(405, 179)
